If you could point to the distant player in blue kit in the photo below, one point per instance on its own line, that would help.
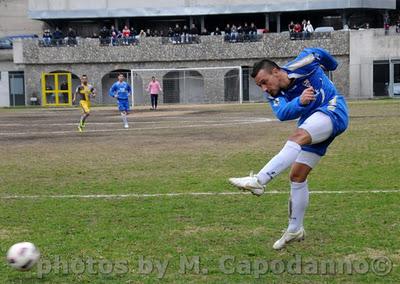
(121, 91)
(299, 90)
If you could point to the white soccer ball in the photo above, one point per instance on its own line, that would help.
(23, 256)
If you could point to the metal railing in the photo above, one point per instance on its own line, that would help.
(310, 36)
(181, 39)
(242, 37)
(51, 42)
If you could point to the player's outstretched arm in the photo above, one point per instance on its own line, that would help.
(324, 58)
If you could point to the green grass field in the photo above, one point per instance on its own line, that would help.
(51, 176)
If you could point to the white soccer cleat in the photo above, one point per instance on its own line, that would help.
(249, 183)
(126, 125)
(289, 237)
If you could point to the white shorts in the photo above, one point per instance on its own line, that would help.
(320, 127)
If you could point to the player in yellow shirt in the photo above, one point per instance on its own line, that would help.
(84, 91)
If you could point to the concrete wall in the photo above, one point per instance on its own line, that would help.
(211, 49)
(45, 9)
(14, 19)
(366, 47)
(97, 61)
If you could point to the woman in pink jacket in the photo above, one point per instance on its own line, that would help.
(154, 88)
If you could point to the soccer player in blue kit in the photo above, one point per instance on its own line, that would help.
(299, 90)
(121, 91)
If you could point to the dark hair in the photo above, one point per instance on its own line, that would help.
(119, 74)
(84, 75)
(264, 64)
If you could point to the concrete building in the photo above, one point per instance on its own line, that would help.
(368, 58)
(14, 21)
(273, 15)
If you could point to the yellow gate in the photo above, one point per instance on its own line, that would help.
(56, 89)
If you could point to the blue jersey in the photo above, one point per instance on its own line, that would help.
(306, 70)
(121, 89)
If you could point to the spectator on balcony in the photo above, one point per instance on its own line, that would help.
(185, 34)
(303, 24)
(133, 32)
(253, 32)
(234, 33)
(104, 36)
(291, 27)
(297, 31)
(246, 31)
(309, 29)
(71, 37)
(47, 37)
(149, 33)
(228, 32)
(142, 34)
(120, 36)
(217, 31)
(177, 34)
(291, 30)
(113, 29)
(240, 36)
(170, 34)
(58, 36)
(126, 34)
(398, 26)
(194, 33)
(114, 38)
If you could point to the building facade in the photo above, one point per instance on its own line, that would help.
(368, 59)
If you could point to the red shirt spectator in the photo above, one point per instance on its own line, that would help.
(126, 32)
(297, 28)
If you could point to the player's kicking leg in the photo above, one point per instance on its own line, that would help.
(316, 129)
(286, 157)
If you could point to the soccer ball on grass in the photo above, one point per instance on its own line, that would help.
(22, 256)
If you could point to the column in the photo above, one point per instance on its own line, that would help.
(278, 22)
(202, 25)
(267, 21)
(344, 19)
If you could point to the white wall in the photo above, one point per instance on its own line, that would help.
(14, 19)
(367, 46)
(4, 90)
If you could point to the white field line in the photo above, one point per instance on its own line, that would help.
(178, 194)
(259, 119)
(132, 125)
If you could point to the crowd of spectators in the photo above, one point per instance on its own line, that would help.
(57, 38)
(130, 36)
(300, 31)
(240, 33)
